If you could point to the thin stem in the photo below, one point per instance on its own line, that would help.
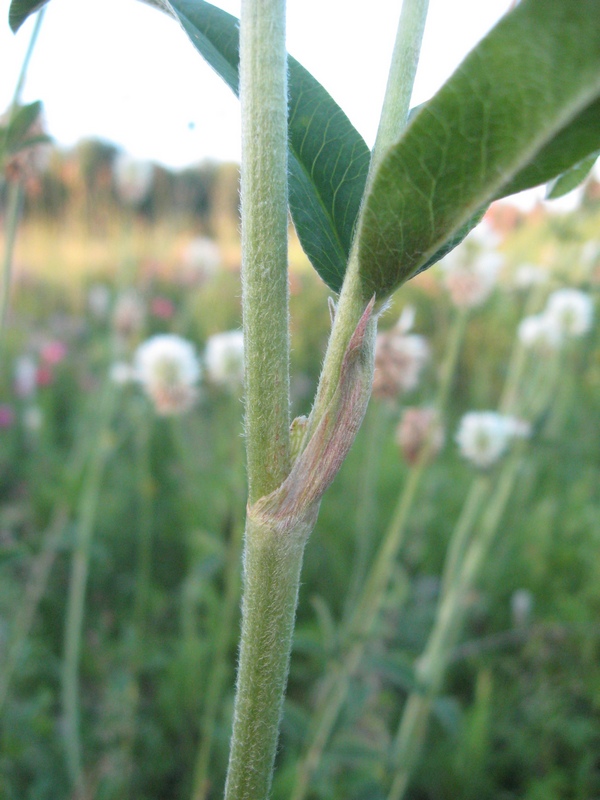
(405, 60)
(364, 613)
(392, 122)
(376, 425)
(77, 588)
(219, 672)
(263, 96)
(448, 622)
(13, 215)
(27, 58)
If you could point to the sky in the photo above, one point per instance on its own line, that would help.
(121, 71)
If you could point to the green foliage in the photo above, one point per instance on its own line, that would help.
(522, 108)
(328, 159)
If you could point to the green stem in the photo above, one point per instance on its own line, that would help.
(88, 508)
(448, 622)
(272, 559)
(35, 588)
(13, 215)
(405, 60)
(366, 608)
(375, 426)
(272, 563)
(219, 673)
(263, 97)
(392, 122)
(25, 65)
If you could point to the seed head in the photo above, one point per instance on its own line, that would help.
(419, 428)
(167, 367)
(483, 436)
(224, 359)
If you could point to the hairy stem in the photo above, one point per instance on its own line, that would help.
(263, 96)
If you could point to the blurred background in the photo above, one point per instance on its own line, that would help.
(121, 513)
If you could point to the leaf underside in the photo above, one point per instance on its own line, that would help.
(522, 108)
(328, 159)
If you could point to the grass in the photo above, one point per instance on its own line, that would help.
(517, 715)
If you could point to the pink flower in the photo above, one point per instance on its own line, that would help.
(162, 307)
(44, 376)
(7, 416)
(53, 352)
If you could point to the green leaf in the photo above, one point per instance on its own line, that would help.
(572, 178)
(21, 9)
(20, 123)
(328, 160)
(522, 108)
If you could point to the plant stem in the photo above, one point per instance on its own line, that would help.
(405, 60)
(13, 215)
(448, 622)
(218, 675)
(272, 560)
(272, 565)
(15, 192)
(77, 587)
(263, 97)
(364, 613)
(27, 58)
(392, 122)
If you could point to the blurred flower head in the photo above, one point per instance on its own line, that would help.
(399, 360)
(53, 352)
(98, 300)
(133, 179)
(25, 376)
(129, 313)
(571, 310)
(200, 260)
(224, 359)
(32, 418)
(471, 269)
(162, 307)
(529, 275)
(471, 282)
(168, 369)
(483, 436)
(7, 416)
(568, 313)
(419, 428)
(521, 607)
(539, 332)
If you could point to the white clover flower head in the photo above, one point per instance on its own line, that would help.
(521, 607)
(168, 369)
(399, 361)
(540, 332)
(98, 300)
(25, 376)
(133, 179)
(224, 359)
(483, 436)
(129, 314)
(201, 260)
(571, 310)
(529, 275)
(470, 279)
